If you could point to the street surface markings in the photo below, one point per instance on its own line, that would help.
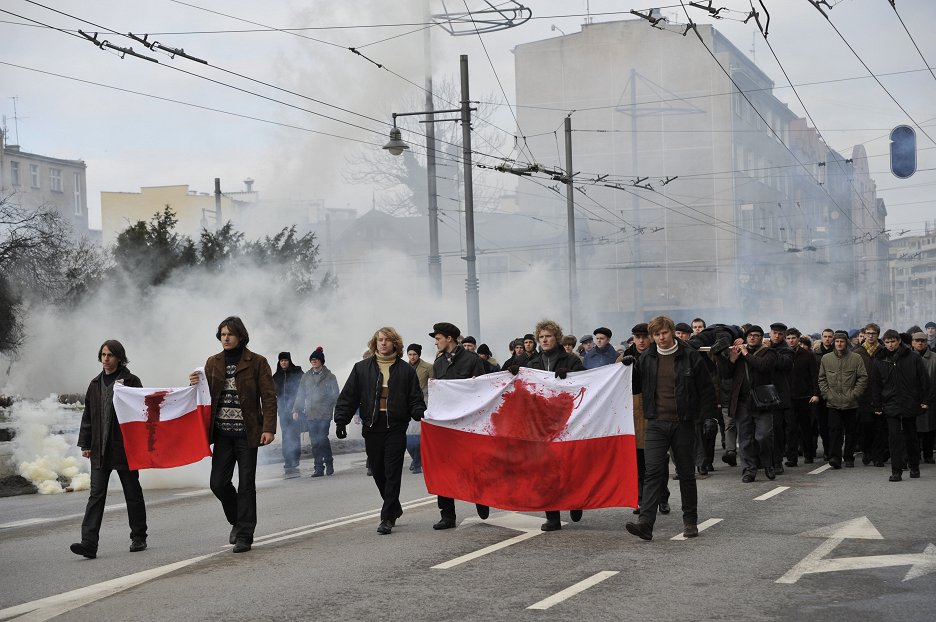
(51, 606)
(824, 467)
(773, 493)
(528, 525)
(702, 527)
(861, 529)
(572, 590)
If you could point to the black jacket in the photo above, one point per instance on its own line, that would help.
(866, 401)
(899, 383)
(287, 384)
(99, 430)
(782, 369)
(695, 393)
(363, 388)
(459, 365)
(804, 377)
(757, 365)
(555, 359)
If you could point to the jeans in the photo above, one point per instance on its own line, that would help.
(755, 438)
(321, 447)
(240, 505)
(94, 512)
(679, 438)
(290, 431)
(412, 446)
(386, 449)
(842, 424)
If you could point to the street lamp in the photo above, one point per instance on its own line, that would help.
(397, 146)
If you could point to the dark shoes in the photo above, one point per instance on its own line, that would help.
(370, 472)
(730, 458)
(866, 460)
(748, 478)
(849, 464)
(394, 519)
(664, 508)
(808, 461)
(232, 539)
(329, 468)
(417, 470)
(878, 463)
(778, 469)
(691, 530)
(895, 477)
(575, 515)
(551, 525)
(770, 473)
(318, 472)
(914, 473)
(637, 510)
(241, 546)
(835, 463)
(384, 527)
(790, 463)
(483, 511)
(290, 473)
(642, 530)
(445, 523)
(79, 548)
(137, 545)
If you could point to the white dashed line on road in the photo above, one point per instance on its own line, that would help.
(702, 527)
(572, 590)
(776, 491)
(824, 467)
(488, 549)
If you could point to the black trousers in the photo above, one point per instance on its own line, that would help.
(903, 441)
(873, 431)
(678, 438)
(755, 438)
(780, 418)
(822, 425)
(240, 504)
(94, 512)
(799, 430)
(642, 477)
(386, 450)
(843, 425)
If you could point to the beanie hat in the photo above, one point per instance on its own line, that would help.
(529, 336)
(485, 350)
(414, 347)
(318, 354)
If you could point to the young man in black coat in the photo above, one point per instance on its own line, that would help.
(100, 440)
(286, 380)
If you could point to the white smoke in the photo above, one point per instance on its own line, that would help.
(41, 452)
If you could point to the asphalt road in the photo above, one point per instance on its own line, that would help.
(843, 544)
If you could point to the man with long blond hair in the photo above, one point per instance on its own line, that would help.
(385, 390)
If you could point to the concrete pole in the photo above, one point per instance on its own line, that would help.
(570, 212)
(471, 282)
(435, 262)
(217, 202)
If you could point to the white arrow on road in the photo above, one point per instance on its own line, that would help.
(858, 528)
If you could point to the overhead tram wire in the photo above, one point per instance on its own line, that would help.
(815, 125)
(871, 73)
(692, 26)
(912, 40)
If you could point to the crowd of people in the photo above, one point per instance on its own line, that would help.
(773, 397)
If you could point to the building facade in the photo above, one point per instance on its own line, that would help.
(32, 180)
(913, 278)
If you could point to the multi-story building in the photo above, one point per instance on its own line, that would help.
(724, 203)
(913, 278)
(33, 180)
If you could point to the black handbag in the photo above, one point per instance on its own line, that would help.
(765, 397)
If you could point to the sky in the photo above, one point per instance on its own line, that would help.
(137, 123)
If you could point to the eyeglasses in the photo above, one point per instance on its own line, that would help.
(870, 334)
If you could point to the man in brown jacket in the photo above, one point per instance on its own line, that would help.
(243, 417)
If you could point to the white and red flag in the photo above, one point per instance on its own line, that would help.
(164, 428)
(532, 441)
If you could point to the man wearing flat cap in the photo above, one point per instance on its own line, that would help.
(782, 370)
(603, 353)
(683, 331)
(453, 362)
(469, 343)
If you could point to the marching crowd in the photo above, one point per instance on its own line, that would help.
(773, 397)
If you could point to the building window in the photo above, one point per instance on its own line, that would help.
(14, 173)
(34, 175)
(77, 194)
(55, 179)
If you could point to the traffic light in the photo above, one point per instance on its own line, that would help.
(903, 151)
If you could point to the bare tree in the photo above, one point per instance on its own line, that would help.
(402, 180)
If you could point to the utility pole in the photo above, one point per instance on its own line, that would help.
(471, 282)
(638, 272)
(570, 213)
(435, 262)
(217, 203)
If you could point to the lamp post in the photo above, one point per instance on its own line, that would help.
(397, 146)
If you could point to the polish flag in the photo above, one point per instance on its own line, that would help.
(532, 441)
(164, 428)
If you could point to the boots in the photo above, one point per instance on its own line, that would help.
(329, 467)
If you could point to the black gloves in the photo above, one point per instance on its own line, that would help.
(514, 369)
(561, 373)
(341, 431)
(627, 359)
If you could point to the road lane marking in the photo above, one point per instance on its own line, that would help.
(702, 527)
(51, 606)
(824, 467)
(776, 491)
(488, 549)
(572, 590)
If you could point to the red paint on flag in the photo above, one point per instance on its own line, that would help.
(153, 401)
(526, 414)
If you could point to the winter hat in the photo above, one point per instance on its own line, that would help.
(445, 329)
(284, 355)
(682, 327)
(754, 328)
(640, 330)
(470, 339)
(568, 340)
(318, 354)
(414, 347)
(840, 334)
(930, 325)
(529, 336)
(485, 350)
(586, 339)
(853, 333)
(601, 330)
(778, 326)
(919, 336)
